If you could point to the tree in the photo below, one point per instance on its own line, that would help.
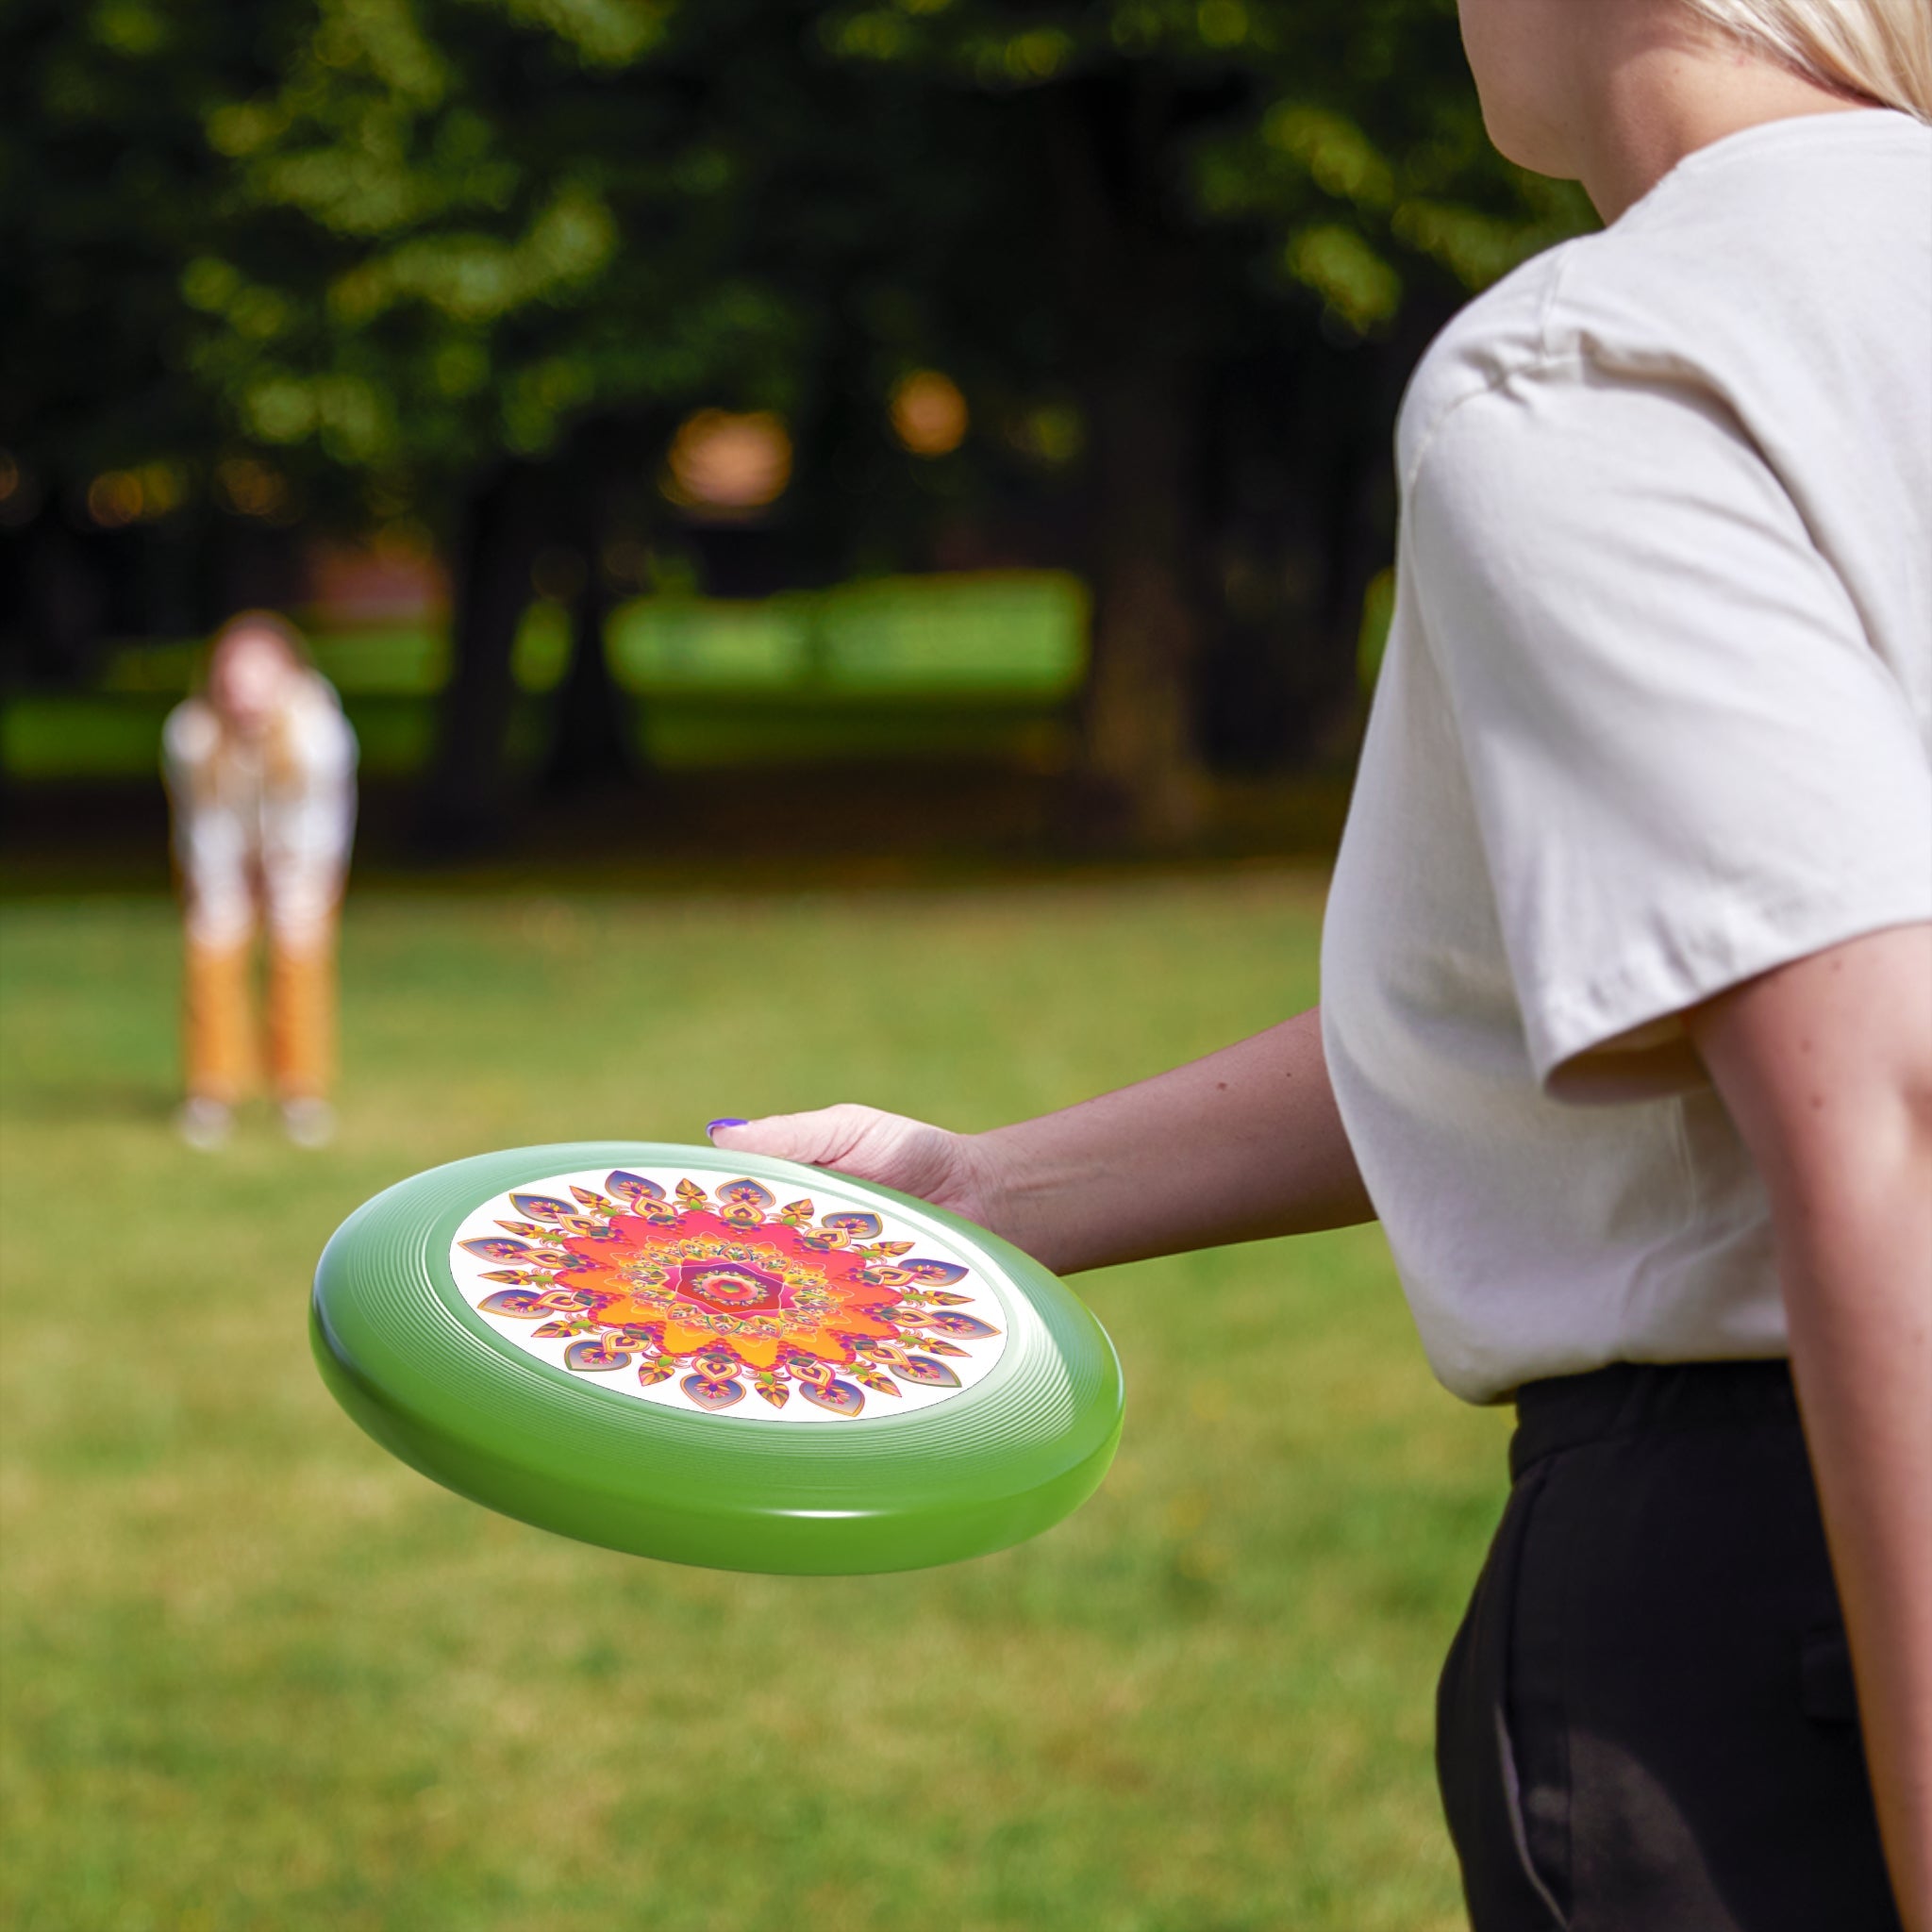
(109, 191)
(1216, 202)
(495, 240)
(470, 261)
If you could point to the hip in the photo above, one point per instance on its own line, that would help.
(1647, 1717)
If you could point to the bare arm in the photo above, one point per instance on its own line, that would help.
(1243, 1144)
(1826, 1068)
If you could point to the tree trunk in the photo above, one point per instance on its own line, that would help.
(467, 797)
(62, 600)
(593, 744)
(1132, 301)
(591, 741)
(1139, 738)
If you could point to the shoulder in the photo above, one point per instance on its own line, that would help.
(1497, 337)
(1753, 267)
(320, 733)
(190, 734)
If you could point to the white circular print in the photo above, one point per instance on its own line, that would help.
(709, 1295)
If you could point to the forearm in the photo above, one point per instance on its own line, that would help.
(1239, 1147)
(1826, 1068)
(1857, 1277)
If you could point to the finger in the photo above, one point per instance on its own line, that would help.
(817, 1139)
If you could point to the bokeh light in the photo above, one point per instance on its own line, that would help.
(250, 488)
(1050, 433)
(119, 497)
(726, 464)
(929, 416)
(114, 499)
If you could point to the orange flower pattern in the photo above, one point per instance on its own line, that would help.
(730, 1294)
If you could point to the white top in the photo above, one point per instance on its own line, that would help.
(270, 820)
(1655, 716)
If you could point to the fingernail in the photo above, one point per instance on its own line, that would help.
(713, 1127)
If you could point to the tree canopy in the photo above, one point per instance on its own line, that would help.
(471, 263)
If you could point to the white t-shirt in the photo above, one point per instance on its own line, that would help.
(250, 826)
(1655, 716)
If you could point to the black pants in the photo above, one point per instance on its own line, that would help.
(1646, 1721)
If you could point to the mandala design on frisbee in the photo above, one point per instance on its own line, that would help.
(723, 1302)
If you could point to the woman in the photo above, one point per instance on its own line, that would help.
(260, 769)
(1628, 1021)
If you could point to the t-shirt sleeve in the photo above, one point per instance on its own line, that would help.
(1689, 763)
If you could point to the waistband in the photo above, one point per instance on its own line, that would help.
(1636, 1398)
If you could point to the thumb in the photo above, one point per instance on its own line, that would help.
(817, 1139)
(884, 1147)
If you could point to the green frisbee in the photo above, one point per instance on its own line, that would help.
(716, 1358)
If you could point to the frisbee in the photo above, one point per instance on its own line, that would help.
(716, 1358)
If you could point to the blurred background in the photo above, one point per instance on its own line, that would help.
(855, 539)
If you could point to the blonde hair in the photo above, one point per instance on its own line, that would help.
(282, 767)
(245, 622)
(1879, 50)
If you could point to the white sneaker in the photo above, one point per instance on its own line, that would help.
(308, 1121)
(204, 1124)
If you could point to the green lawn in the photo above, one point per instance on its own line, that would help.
(258, 1674)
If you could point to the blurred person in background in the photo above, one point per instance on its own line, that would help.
(1626, 1021)
(260, 769)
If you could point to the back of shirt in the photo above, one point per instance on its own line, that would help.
(1655, 716)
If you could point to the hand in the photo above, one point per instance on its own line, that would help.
(946, 1169)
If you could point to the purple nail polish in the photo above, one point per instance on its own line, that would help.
(714, 1125)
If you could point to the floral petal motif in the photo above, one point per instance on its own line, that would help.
(934, 1273)
(692, 1194)
(777, 1393)
(873, 1379)
(840, 1396)
(927, 1373)
(633, 1187)
(518, 1301)
(858, 1226)
(961, 1327)
(538, 1206)
(747, 1193)
(650, 1374)
(590, 1357)
(712, 1395)
(494, 1249)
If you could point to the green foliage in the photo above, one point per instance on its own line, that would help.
(260, 1674)
(1347, 133)
(396, 238)
(500, 239)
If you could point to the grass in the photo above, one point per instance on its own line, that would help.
(258, 1674)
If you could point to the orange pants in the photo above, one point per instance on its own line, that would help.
(222, 1045)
